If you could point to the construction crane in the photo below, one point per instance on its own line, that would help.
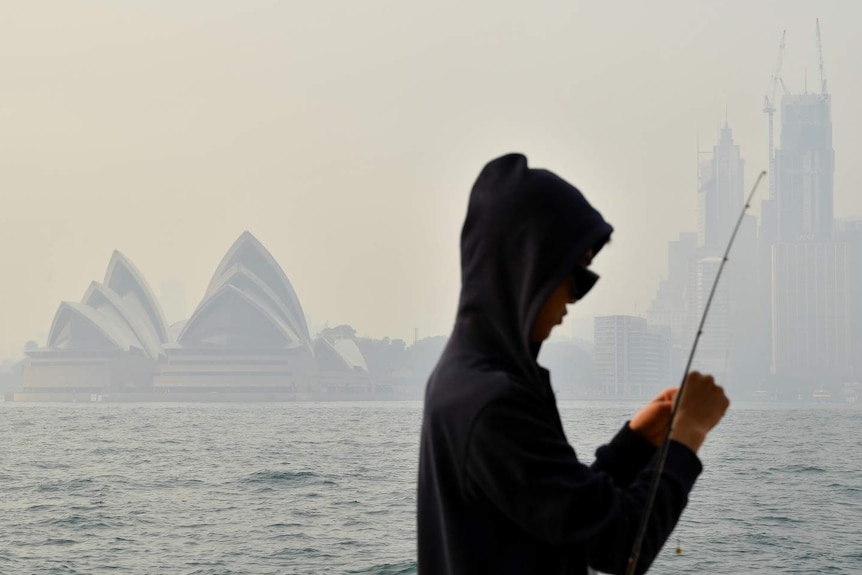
(769, 108)
(820, 56)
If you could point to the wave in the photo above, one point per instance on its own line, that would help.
(83, 522)
(777, 519)
(403, 568)
(59, 542)
(799, 469)
(845, 488)
(77, 484)
(286, 478)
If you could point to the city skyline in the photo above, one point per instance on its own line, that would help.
(783, 320)
(363, 158)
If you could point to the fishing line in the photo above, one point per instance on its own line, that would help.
(662, 455)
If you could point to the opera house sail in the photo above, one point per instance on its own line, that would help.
(247, 334)
(248, 337)
(109, 342)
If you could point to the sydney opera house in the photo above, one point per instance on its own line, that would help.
(247, 339)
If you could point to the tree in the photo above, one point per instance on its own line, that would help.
(339, 332)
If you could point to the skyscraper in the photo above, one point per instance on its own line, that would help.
(720, 193)
(810, 323)
(673, 306)
(850, 232)
(732, 341)
(173, 299)
(728, 339)
(810, 319)
(804, 166)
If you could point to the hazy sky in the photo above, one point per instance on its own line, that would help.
(346, 135)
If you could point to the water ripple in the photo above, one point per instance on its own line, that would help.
(309, 489)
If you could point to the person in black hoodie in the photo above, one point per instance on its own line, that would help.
(500, 490)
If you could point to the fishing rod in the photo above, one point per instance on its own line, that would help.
(662, 455)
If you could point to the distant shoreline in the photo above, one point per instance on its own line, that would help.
(343, 397)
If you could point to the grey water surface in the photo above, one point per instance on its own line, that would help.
(310, 488)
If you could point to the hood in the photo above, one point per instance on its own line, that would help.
(525, 231)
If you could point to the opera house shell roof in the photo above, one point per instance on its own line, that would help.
(118, 314)
(248, 332)
(249, 303)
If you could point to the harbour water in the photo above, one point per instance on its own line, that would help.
(329, 488)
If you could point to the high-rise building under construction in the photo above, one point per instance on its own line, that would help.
(809, 284)
(804, 167)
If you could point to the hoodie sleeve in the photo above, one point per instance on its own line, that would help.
(626, 455)
(518, 461)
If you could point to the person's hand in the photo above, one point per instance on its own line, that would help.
(701, 407)
(651, 421)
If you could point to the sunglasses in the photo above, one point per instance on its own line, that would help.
(583, 281)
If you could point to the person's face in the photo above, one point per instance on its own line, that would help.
(554, 310)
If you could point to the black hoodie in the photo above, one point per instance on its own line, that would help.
(501, 491)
